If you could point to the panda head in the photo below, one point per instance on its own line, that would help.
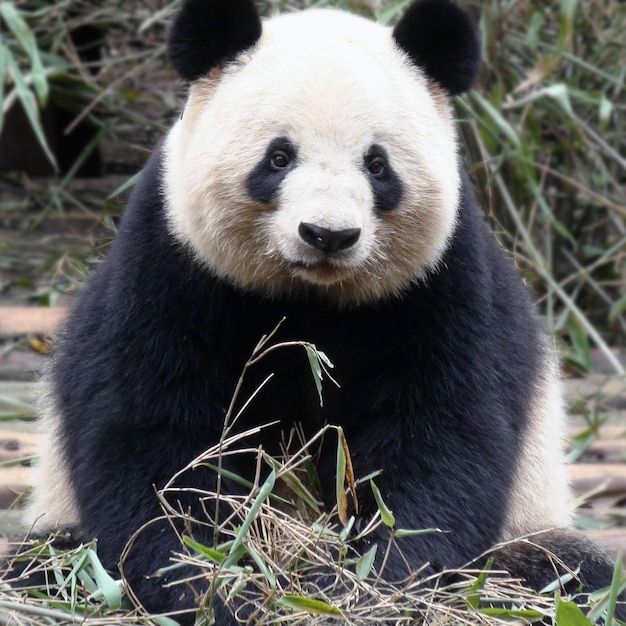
(317, 152)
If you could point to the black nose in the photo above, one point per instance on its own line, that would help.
(326, 240)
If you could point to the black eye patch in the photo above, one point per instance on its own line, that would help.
(386, 184)
(265, 179)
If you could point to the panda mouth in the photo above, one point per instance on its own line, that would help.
(320, 272)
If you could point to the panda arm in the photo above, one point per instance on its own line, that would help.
(128, 427)
(455, 485)
(138, 393)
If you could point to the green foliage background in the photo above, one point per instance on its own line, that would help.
(544, 131)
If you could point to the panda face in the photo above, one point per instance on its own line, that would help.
(320, 160)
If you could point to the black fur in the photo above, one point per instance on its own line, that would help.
(207, 33)
(387, 187)
(264, 180)
(545, 557)
(441, 38)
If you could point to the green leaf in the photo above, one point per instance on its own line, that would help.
(308, 605)
(531, 615)
(316, 369)
(320, 366)
(109, 587)
(4, 53)
(365, 564)
(566, 24)
(569, 614)
(617, 308)
(27, 40)
(131, 182)
(386, 515)
(263, 494)
(82, 157)
(473, 598)
(297, 486)
(163, 621)
(581, 349)
(617, 586)
(313, 477)
(327, 365)
(340, 481)
(264, 568)
(498, 119)
(213, 555)
(236, 478)
(606, 599)
(558, 583)
(409, 532)
(30, 106)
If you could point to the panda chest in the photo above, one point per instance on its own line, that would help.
(283, 389)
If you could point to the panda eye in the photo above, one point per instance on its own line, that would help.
(376, 167)
(279, 160)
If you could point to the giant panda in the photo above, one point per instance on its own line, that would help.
(313, 176)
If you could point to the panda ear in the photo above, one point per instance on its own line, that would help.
(206, 33)
(442, 39)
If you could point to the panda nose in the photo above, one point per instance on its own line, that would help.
(326, 240)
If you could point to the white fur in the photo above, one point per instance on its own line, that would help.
(335, 84)
(52, 502)
(540, 493)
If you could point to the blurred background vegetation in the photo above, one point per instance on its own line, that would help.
(85, 91)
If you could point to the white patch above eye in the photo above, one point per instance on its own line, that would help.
(335, 85)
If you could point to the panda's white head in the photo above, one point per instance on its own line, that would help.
(317, 151)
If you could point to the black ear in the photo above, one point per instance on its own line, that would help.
(206, 33)
(441, 38)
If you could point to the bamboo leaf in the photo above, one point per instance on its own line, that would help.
(365, 564)
(410, 532)
(473, 598)
(568, 614)
(27, 99)
(531, 615)
(607, 599)
(131, 182)
(340, 479)
(264, 568)
(213, 555)
(581, 348)
(498, 119)
(109, 587)
(297, 486)
(4, 53)
(308, 605)
(349, 469)
(316, 370)
(386, 513)
(558, 583)
(25, 36)
(263, 494)
(163, 621)
(617, 308)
